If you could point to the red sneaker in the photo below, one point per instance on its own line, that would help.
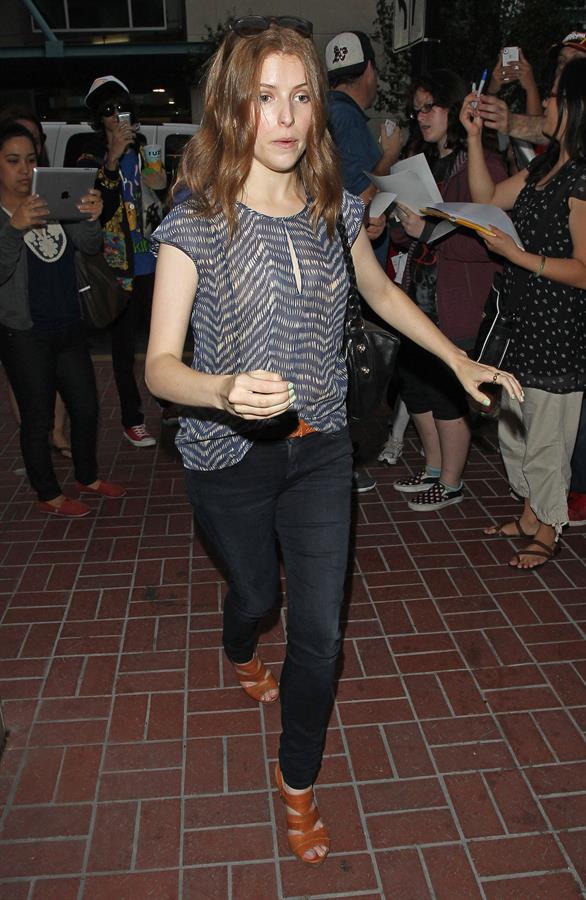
(71, 509)
(576, 508)
(103, 489)
(139, 436)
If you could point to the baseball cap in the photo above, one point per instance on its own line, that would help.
(348, 53)
(575, 39)
(104, 88)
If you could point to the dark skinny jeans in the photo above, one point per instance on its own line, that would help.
(38, 363)
(296, 494)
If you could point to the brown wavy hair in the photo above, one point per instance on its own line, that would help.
(217, 160)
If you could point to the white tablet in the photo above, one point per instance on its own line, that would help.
(62, 189)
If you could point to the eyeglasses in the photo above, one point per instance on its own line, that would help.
(247, 26)
(111, 109)
(425, 108)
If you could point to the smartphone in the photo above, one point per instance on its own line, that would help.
(510, 55)
(390, 126)
(124, 117)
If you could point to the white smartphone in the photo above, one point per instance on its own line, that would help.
(510, 55)
(124, 117)
(390, 126)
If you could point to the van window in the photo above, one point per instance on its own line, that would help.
(174, 144)
(75, 145)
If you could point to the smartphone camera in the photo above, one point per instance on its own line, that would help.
(510, 55)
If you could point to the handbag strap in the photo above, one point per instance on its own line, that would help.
(354, 320)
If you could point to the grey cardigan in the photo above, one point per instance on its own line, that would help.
(14, 307)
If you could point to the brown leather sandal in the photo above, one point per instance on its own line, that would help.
(256, 679)
(303, 819)
(545, 554)
(499, 531)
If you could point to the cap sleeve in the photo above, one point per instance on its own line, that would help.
(183, 229)
(353, 215)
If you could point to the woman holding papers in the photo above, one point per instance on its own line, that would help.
(449, 280)
(545, 286)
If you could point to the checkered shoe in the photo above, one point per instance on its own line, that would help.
(435, 497)
(416, 484)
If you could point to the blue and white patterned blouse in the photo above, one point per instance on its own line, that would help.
(248, 313)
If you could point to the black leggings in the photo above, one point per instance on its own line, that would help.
(39, 363)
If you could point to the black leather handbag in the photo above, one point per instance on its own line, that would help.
(370, 351)
(101, 298)
(495, 332)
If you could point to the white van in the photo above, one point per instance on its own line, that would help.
(65, 141)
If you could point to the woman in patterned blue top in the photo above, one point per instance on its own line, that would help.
(253, 261)
(546, 284)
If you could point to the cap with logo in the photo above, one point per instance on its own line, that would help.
(348, 53)
(104, 88)
(575, 39)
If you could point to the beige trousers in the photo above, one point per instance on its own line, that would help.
(537, 438)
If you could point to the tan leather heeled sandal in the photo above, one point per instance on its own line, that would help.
(256, 679)
(303, 820)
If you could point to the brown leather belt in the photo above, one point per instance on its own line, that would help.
(302, 429)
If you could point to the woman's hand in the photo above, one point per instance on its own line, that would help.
(411, 222)
(256, 395)
(472, 374)
(32, 212)
(119, 139)
(375, 225)
(470, 115)
(503, 244)
(92, 203)
(526, 76)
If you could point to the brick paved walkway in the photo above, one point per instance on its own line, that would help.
(455, 763)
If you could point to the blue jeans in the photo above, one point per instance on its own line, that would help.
(579, 456)
(296, 494)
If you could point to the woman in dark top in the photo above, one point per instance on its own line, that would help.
(449, 278)
(42, 338)
(545, 283)
(253, 261)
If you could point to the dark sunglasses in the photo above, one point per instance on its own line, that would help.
(247, 26)
(111, 109)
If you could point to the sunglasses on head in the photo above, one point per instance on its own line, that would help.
(111, 109)
(247, 26)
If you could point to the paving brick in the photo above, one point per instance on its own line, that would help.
(245, 763)
(368, 753)
(128, 718)
(575, 846)
(561, 734)
(402, 875)
(56, 889)
(450, 873)
(137, 785)
(515, 802)
(32, 858)
(79, 774)
(159, 837)
(401, 794)
(568, 811)
(347, 874)
(508, 855)
(218, 845)
(133, 886)
(113, 837)
(462, 693)
(426, 696)
(525, 739)
(39, 776)
(461, 730)
(473, 806)
(46, 822)
(541, 887)
(410, 828)
(408, 751)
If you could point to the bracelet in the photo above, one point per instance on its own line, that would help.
(539, 272)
